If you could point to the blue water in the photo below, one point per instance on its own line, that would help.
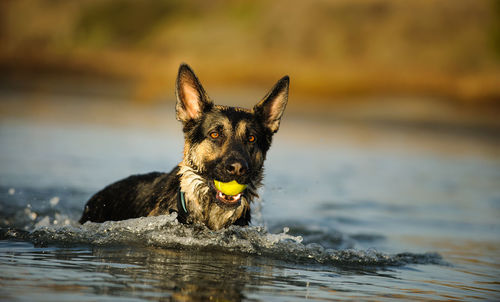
(347, 212)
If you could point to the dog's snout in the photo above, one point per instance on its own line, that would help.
(237, 168)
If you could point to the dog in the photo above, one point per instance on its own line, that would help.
(222, 145)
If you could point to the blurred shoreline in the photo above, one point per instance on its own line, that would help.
(147, 77)
(332, 50)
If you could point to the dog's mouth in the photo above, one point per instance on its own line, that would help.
(229, 192)
(229, 199)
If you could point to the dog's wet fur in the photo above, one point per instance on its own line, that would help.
(221, 143)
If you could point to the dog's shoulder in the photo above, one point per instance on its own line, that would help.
(137, 185)
(156, 182)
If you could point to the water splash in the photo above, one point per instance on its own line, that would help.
(166, 232)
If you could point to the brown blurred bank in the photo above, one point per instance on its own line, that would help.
(331, 49)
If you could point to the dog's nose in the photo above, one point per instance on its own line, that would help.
(237, 168)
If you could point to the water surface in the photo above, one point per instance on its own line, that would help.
(348, 211)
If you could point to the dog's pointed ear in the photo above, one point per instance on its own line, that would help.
(192, 99)
(271, 108)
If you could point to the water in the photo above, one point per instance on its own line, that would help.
(353, 212)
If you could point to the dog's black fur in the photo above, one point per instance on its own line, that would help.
(221, 143)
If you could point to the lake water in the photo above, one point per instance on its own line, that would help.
(350, 210)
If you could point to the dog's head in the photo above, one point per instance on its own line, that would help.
(223, 144)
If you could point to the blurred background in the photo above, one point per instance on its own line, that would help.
(427, 65)
(433, 65)
(343, 48)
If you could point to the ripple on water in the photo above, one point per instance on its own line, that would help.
(166, 232)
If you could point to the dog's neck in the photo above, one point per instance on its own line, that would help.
(201, 204)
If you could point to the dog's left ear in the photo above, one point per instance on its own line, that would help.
(272, 106)
(192, 100)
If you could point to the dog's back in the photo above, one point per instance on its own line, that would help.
(132, 197)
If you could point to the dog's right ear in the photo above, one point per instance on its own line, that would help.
(192, 99)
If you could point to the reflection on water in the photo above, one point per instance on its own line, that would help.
(87, 274)
(158, 274)
(348, 189)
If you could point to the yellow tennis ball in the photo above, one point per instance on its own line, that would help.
(230, 188)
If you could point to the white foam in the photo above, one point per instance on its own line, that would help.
(44, 222)
(166, 232)
(30, 214)
(54, 201)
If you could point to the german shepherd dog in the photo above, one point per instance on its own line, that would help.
(222, 144)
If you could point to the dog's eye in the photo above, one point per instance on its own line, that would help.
(214, 134)
(251, 138)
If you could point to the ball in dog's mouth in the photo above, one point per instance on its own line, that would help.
(229, 192)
